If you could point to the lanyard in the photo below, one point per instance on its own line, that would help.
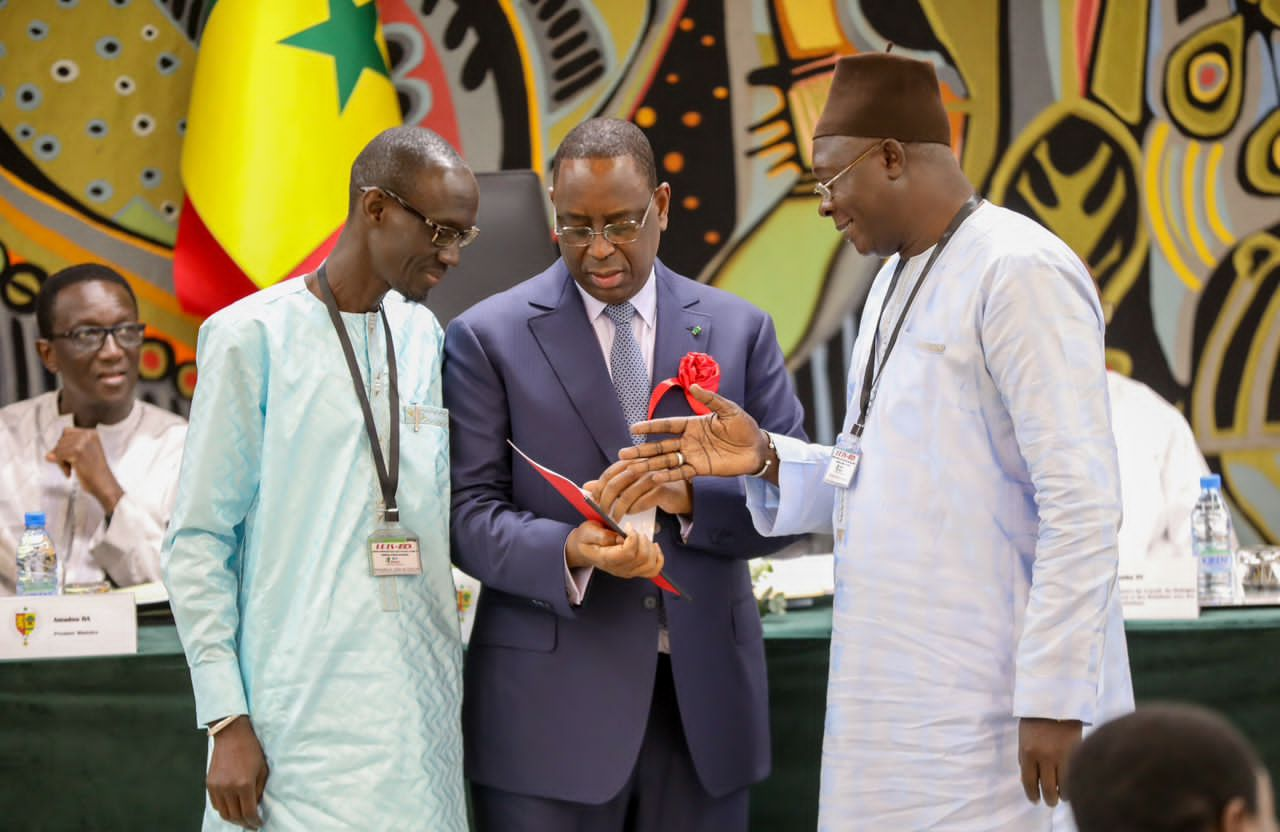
(871, 377)
(388, 481)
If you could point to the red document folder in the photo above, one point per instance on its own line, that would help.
(582, 502)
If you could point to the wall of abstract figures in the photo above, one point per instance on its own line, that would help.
(1146, 133)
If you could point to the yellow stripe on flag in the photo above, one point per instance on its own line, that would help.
(273, 127)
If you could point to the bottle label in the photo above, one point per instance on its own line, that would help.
(38, 585)
(1215, 560)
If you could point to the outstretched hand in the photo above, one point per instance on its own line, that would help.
(725, 443)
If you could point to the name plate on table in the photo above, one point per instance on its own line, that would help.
(63, 626)
(1160, 589)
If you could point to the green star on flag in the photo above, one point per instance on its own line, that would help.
(349, 36)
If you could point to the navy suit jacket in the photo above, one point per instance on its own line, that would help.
(557, 697)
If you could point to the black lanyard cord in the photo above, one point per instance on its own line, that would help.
(387, 480)
(873, 373)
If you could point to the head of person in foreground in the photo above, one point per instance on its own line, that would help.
(1169, 768)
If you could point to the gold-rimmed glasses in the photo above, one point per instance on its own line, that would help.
(823, 189)
(442, 236)
(617, 233)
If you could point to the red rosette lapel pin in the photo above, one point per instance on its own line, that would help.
(695, 368)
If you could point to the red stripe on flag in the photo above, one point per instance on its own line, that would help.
(204, 276)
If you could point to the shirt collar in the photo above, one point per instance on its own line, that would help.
(54, 423)
(645, 301)
(49, 422)
(125, 426)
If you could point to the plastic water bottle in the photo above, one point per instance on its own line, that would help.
(39, 572)
(1211, 539)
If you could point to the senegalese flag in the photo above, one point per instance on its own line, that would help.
(285, 95)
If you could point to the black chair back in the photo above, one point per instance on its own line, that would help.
(514, 244)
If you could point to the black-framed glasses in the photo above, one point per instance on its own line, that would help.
(442, 236)
(617, 233)
(88, 339)
(823, 189)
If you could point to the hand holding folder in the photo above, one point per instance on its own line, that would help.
(577, 497)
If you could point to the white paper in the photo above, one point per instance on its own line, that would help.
(62, 626)
(468, 589)
(810, 576)
(1160, 589)
(642, 522)
(144, 594)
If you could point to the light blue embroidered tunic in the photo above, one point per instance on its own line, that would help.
(976, 560)
(357, 709)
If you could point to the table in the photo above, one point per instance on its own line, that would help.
(110, 743)
(102, 743)
(1228, 660)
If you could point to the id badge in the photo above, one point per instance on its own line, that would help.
(394, 550)
(844, 461)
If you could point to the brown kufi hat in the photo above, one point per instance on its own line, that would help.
(877, 95)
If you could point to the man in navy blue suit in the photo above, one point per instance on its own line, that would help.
(593, 700)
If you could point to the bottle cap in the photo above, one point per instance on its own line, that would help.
(35, 518)
(1211, 481)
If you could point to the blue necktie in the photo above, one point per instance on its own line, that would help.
(626, 365)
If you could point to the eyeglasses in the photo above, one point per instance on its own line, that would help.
(618, 233)
(89, 339)
(442, 236)
(823, 189)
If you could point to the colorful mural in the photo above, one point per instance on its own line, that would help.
(1145, 133)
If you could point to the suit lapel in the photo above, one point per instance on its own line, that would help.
(573, 351)
(678, 319)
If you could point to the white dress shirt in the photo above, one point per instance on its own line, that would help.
(644, 325)
(144, 451)
(1160, 470)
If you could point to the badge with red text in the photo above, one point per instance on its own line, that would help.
(394, 555)
(844, 461)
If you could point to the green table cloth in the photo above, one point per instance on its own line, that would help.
(110, 743)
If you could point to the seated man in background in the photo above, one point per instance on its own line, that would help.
(1160, 468)
(101, 465)
(1169, 768)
